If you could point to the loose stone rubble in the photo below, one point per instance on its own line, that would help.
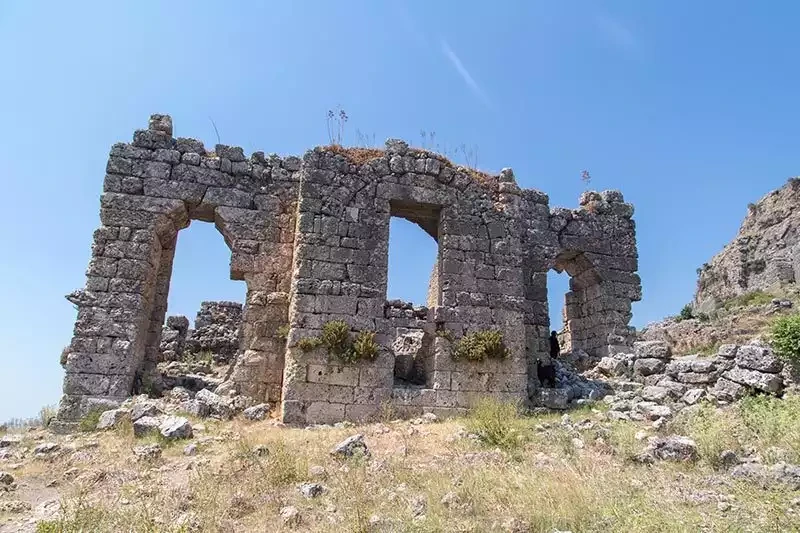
(309, 237)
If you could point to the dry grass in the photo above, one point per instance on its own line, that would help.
(422, 478)
(356, 155)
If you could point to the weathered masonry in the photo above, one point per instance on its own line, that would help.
(309, 236)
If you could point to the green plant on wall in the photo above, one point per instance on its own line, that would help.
(336, 339)
(480, 345)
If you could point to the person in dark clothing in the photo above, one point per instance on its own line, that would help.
(555, 348)
(547, 372)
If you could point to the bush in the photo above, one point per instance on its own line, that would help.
(713, 430)
(773, 423)
(308, 344)
(90, 420)
(365, 347)
(336, 338)
(496, 423)
(686, 313)
(479, 345)
(282, 332)
(749, 299)
(785, 338)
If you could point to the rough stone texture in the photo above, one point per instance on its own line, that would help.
(216, 331)
(310, 239)
(671, 448)
(353, 445)
(109, 419)
(256, 412)
(764, 254)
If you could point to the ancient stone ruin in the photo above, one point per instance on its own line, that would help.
(309, 236)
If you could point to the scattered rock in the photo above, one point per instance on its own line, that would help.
(351, 446)
(142, 409)
(190, 449)
(147, 452)
(195, 408)
(6, 478)
(611, 366)
(762, 381)
(257, 412)
(311, 490)
(146, 425)
(728, 458)
(290, 516)
(217, 404)
(654, 393)
(317, 471)
(553, 398)
(14, 506)
(12, 439)
(693, 396)
(175, 427)
(672, 448)
(111, 418)
(777, 474)
(46, 448)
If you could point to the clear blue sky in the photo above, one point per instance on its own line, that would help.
(690, 108)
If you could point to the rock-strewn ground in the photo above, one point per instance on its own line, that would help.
(709, 469)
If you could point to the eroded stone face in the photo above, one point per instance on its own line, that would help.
(310, 237)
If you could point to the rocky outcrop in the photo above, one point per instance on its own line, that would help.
(764, 254)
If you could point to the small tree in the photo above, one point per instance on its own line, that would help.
(785, 338)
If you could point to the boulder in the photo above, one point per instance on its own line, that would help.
(651, 350)
(727, 391)
(6, 478)
(351, 446)
(784, 474)
(145, 426)
(653, 411)
(111, 418)
(141, 409)
(648, 366)
(553, 398)
(218, 406)
(672, 448)
(654, 393)
(257, 412)
(290, 516)
(46, 448)
(611, 366)
(311, 490)
(147, 452)
(758, 358)
(693, 396)
(175, 427)
(196, 408)
(762, 381)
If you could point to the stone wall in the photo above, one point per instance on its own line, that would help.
(310, 239)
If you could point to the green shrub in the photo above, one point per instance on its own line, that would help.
(749, 299)
(282, 332)
(365, 347)
(713, 430)
(309, 343)
(497, 423)
(773, 423)
(336, 338)
(785, 337)
(479, 345)
(686, 313)
(90, 420)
